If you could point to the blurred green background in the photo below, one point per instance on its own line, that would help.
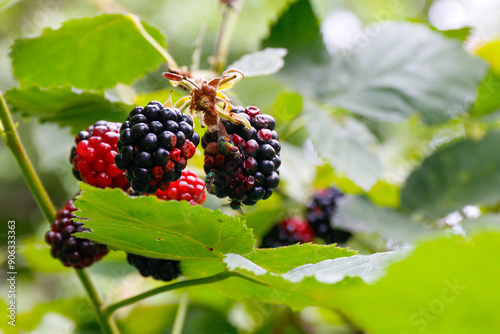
(45, 286)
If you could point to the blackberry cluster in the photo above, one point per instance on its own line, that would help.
(188, 188)
(290, 231)
(93, 156)
(165, 270)
(319, 215)
(250, 173)
(72, 251)
(155, 144)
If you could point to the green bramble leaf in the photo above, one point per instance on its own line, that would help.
(388, 77)
(260, 63)
(88, 53)
(160, 229)
(358, 214)
(282, 259)
(307, 285)
(462, 173)
(66, 107)
(346, 144)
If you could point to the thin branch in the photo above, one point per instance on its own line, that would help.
(181, 314)
(171, 64)
(178, 285)
(96, 302)
(226, 29)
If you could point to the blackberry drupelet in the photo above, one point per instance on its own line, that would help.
(290, 231)
(155, 144)
(93, 156)
(187, 188)
(244, 165)
(72, 251)
(320, 212)
(165, 270)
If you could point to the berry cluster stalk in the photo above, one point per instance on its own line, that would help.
(13, 142)
(228, 22)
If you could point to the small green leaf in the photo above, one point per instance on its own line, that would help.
(460, 34)
(491, 52)
(287, 107)
(358, 214)
(160, 229)
(282, 259)
(488, 100)
(66, 107)
(347, 145)
(88, 53)
(466, 172)
(264, 62)
(303, 40)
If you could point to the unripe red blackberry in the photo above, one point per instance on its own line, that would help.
(290, 231)
(93, 156)
(250, 173)
(155, 144)
(72, 251)
(187, 188)
(319, 214)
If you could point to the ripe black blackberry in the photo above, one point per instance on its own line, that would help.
(244, 164)
(72, 251)
(320, 212)
(290, 231)
(165, 270)
(155, 144)
(93, 156)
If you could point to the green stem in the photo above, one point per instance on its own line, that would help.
(171, 64)
(13, 142)
(181, 314)
(226, 29)
(96, 302)
(178, 285)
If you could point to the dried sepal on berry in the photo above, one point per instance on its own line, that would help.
(207, 100)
